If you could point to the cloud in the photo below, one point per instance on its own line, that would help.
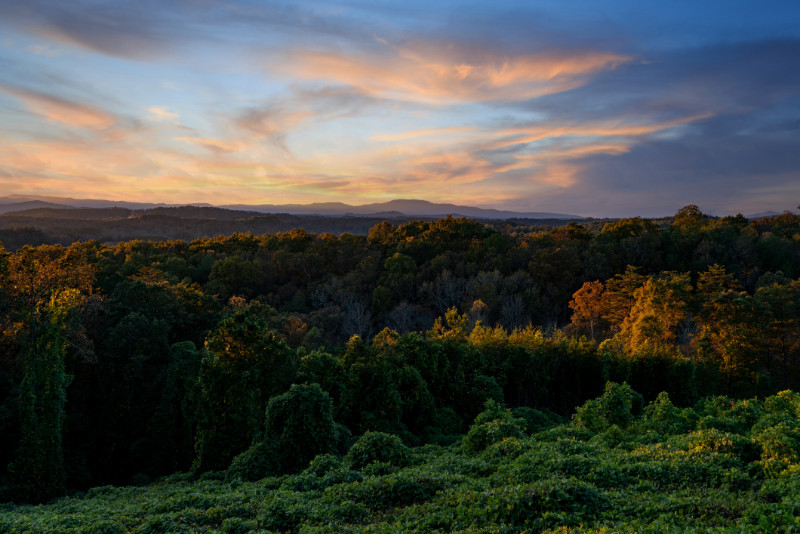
(270, 120)
(44, 50)
(446, 76)
(218, 146)
(61, 110)
(162, 114)
(425, 133)
(619, 127)
(128, 31)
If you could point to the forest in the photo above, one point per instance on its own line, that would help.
(442, 375)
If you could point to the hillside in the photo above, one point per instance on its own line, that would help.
(44, 224)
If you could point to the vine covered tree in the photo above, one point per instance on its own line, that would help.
(50, 286)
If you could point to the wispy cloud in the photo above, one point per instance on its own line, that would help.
(162, 114)
(61, 110)
(123, 30)
(219, 146)
(448, 76)
(428, 132)
(44, 50)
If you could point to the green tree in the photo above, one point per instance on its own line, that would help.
(38, 471)
(243, 366)
(48, 287)
(300, 423)
(781, 325)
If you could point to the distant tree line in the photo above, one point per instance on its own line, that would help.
(149, 357)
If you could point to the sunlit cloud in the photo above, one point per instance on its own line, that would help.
(269, 121)
(609, 128)
(454, 130)
(162, 114)
(61, 110)
(220, 146)
(441, 77)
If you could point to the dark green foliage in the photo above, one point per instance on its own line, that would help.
(536, 420)
(378, 447)
(536, 506)
(37, 473)
(237, 276)
(495, 423)
(175, 357)
(564, 479)
(323, 464)
(392, 490)
(260, 460)
(244, 365)
(716, 441)
(665, 418)
(617, 406)
(300, 424)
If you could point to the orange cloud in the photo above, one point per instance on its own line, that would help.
(616, 128)
(56, 109)
(442, 77)
(424, 133)
(220, 146)
(162, 114)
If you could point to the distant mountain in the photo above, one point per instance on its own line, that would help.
(70, 213)
(768, 214)
(78, 202)
(29, 205)
(414, 208)
(417, 208)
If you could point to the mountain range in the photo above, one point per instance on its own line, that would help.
(392, 208)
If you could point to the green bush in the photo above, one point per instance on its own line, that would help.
(382, 492)
(259, 461)
(536, 420)
(784, 402)
(300, 423)
(666, 419)
(323, 464)
(495, 423)
(377, 447)
(727, 415)
(780, 442)
(542, 505)
(717, 441)
(618, 405)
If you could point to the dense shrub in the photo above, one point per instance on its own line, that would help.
(300, 423)
(377, 447)
(536, 420)
(260, 460)
(665, 418)
(618, 405)
(397, 489)
(495, 423)
(544, 504)
(717, 441)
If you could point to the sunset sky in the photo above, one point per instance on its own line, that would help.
(598, 108)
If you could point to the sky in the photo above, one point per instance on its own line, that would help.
(612, 108)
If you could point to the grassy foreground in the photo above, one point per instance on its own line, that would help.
(722, 466)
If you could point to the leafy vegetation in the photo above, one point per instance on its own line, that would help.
(652, 475)
(426, 372)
